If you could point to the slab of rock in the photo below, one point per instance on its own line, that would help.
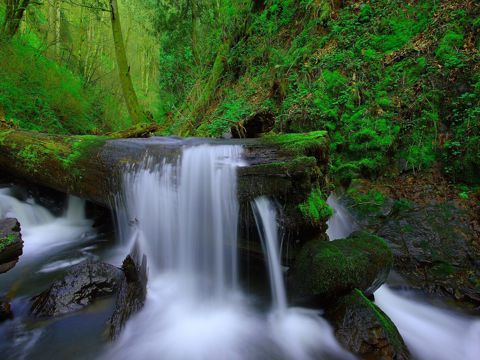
(435, 250)
(11, 244)
(83, 284)
(365, 330)
(324, 270)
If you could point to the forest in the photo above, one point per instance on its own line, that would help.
(240, 179)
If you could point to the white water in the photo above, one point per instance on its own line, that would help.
(340, 225)
(183, 214)
(301, 333)
(266, 220)
(431, 333)
(41, 231)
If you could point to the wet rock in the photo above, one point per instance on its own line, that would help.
(131, 295)
(254, 125)
(365, 330)
(83, 284)
(5, 310)
(434, 249)
(11, 244)
(324, 270)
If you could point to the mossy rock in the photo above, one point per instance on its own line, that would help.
(365, 330)
(11, 244)
(323, 270)
(315, 143)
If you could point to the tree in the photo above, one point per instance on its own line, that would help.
(14, 11)
(123, 68)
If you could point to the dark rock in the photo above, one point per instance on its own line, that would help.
(365, 330)
(83, 284)
(254, 125)
(5, 310)
(11, 244)
(131, 295)
(434, 249)
(324, 270)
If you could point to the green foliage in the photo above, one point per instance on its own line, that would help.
(448, 51)
(38, 94)
(369, 202)
(300, 144)
(315, 208)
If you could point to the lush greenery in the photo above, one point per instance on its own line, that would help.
(396, 84)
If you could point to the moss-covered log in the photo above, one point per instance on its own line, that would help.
(288, 167)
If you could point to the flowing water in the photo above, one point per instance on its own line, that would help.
(183, 214)
(430, 332)
(341, 224)
(52, 243)
(301, 333)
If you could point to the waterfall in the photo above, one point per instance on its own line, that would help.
(340, 225)
(266, 220)
(41, 230)
(431, 333)
(183, 214)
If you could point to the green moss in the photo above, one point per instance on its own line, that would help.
(30, 157)
(6, 241)
(334, 267)
(315, 208)
(448, 51)
(301, 143)
(367, 203)
(387, 324)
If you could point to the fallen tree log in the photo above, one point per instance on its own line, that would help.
(288, 168)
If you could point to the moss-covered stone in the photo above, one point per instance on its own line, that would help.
(11, 244)
(325, 270)
(364, 329)
(313, 143)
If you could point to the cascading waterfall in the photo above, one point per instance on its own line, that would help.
(41, 230)
(341, 224)
(183, 214)
(301, 333)
(266, 220)
(430, 333)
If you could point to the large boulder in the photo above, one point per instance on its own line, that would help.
(323, 270)
(83, 284)
(11, 244)
(365, 330)
(131, 295)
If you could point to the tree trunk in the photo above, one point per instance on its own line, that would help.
(194, 32)
(14, 12)
(129, 94)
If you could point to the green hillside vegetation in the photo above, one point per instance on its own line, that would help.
(396, 84)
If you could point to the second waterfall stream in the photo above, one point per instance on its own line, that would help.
(183, 213)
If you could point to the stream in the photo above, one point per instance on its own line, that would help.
(429, 331)
(182, 212)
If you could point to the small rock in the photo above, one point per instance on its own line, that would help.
(5, 310)
(11, 244)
